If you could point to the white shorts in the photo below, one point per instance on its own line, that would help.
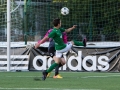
(67, 48)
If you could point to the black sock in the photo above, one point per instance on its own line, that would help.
(57, 69)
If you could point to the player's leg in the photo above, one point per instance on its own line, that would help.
(78, 43)
(57, 75)
(51, 51)
(57, 61)
(83, 43)
(68, 47)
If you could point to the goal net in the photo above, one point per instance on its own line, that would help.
(97, 20)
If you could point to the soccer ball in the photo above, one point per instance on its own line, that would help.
(64, 11)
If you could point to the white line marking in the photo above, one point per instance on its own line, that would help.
(43, 89)
(20, 76)
(25, 88)
(101, 76)
(70, 77)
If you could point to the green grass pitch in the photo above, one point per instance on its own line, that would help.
(70, 81)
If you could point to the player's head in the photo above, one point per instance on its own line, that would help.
(57, 22)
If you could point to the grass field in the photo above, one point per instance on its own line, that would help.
(71, 81)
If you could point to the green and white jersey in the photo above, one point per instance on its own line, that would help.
(56, 34)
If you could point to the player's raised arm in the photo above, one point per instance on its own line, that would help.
(70, 29)
(42, 41)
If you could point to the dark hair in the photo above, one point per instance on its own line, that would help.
(56, 22)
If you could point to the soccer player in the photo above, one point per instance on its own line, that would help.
(60, 46)
(51, 50)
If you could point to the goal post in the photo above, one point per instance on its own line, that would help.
(8, 35)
